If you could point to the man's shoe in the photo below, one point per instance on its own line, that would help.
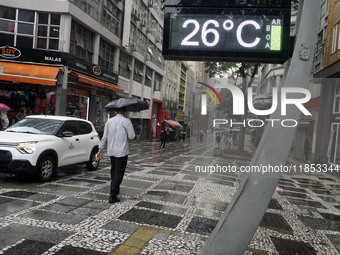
(113, 199)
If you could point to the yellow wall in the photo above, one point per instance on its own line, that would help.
(333, 18)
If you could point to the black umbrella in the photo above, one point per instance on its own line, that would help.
(129, 104)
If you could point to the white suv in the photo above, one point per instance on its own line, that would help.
(39, 144)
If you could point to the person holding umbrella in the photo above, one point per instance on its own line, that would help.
(117, 133)
(164, 138)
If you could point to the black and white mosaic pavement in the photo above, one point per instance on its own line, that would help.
(162, 190)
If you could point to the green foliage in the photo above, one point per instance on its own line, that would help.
(218, 68)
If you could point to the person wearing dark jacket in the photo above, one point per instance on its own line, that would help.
(164, 138)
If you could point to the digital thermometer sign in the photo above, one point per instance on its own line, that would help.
(242, 36)
(222, 33)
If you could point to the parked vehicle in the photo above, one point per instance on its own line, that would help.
(39, 144)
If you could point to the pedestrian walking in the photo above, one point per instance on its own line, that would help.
(218, 140)
(138, 132)
(117, 133)
(164, 138)
(201, 135)
(183, 136)
(306, 148)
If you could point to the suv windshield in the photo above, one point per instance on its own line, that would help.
(36, 126)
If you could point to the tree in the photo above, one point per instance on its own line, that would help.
(247, 73)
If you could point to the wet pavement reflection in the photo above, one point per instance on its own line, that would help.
(169, 205)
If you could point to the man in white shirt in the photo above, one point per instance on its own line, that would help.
(117, 133)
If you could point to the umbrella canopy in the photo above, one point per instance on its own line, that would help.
(130, 104)
(4, 107)
(174, 123)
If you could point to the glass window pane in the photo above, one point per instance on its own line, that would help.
(24, 28)
(24, 41)
(26, 15)
(7, 26)
(7, 39)
(7, 13)
(43, 18)
(42, 31)
(41, 43)
(337, 150)
(337, 89)
(55, 19)
(54, 32)
(53, 44)
(337, 105)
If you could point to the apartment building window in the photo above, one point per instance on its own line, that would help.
(138, 74)
(112, 17)
(29, 29)
(124, 65)
(148, 77)
(138, 40)
(17, 27)
(158, 82)
(153, 26)
(91, 7)
(48, 31)
(334, 145)
(158, 58)
(81, 44)
(106, 54)
(336, 38)
(337, 98)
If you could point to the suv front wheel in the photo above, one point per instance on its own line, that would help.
(46, 168)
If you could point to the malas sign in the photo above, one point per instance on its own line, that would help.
(239, 31)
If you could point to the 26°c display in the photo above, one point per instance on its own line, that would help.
(221, 32)
(253, 38)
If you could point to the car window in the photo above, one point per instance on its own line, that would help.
(36, 126)
(70, 126)
(84, 128)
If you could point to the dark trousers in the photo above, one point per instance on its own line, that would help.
(162, 144)
(118, 166)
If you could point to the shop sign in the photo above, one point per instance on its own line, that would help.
(96, 70)
(92, 70)
(9, 52)
(180, 116)
(33, 55)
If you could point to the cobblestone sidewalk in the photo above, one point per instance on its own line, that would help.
(167, 207)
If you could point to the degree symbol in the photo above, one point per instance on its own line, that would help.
(228, 25)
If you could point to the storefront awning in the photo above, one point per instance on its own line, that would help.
(26, 73)
(98, 83)
(173, 123)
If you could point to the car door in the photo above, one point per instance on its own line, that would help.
(69, 149)
(86, 139)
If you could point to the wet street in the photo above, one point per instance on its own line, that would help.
(167, 207)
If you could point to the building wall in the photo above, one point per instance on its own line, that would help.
(333, 44)
(146, 24)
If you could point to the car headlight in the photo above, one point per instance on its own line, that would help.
(26, 148)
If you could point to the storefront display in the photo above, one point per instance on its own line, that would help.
(26, 99)
(101, 114)
(77, 102)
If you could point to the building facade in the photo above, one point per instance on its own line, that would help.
(74, 59)
(328, 129)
